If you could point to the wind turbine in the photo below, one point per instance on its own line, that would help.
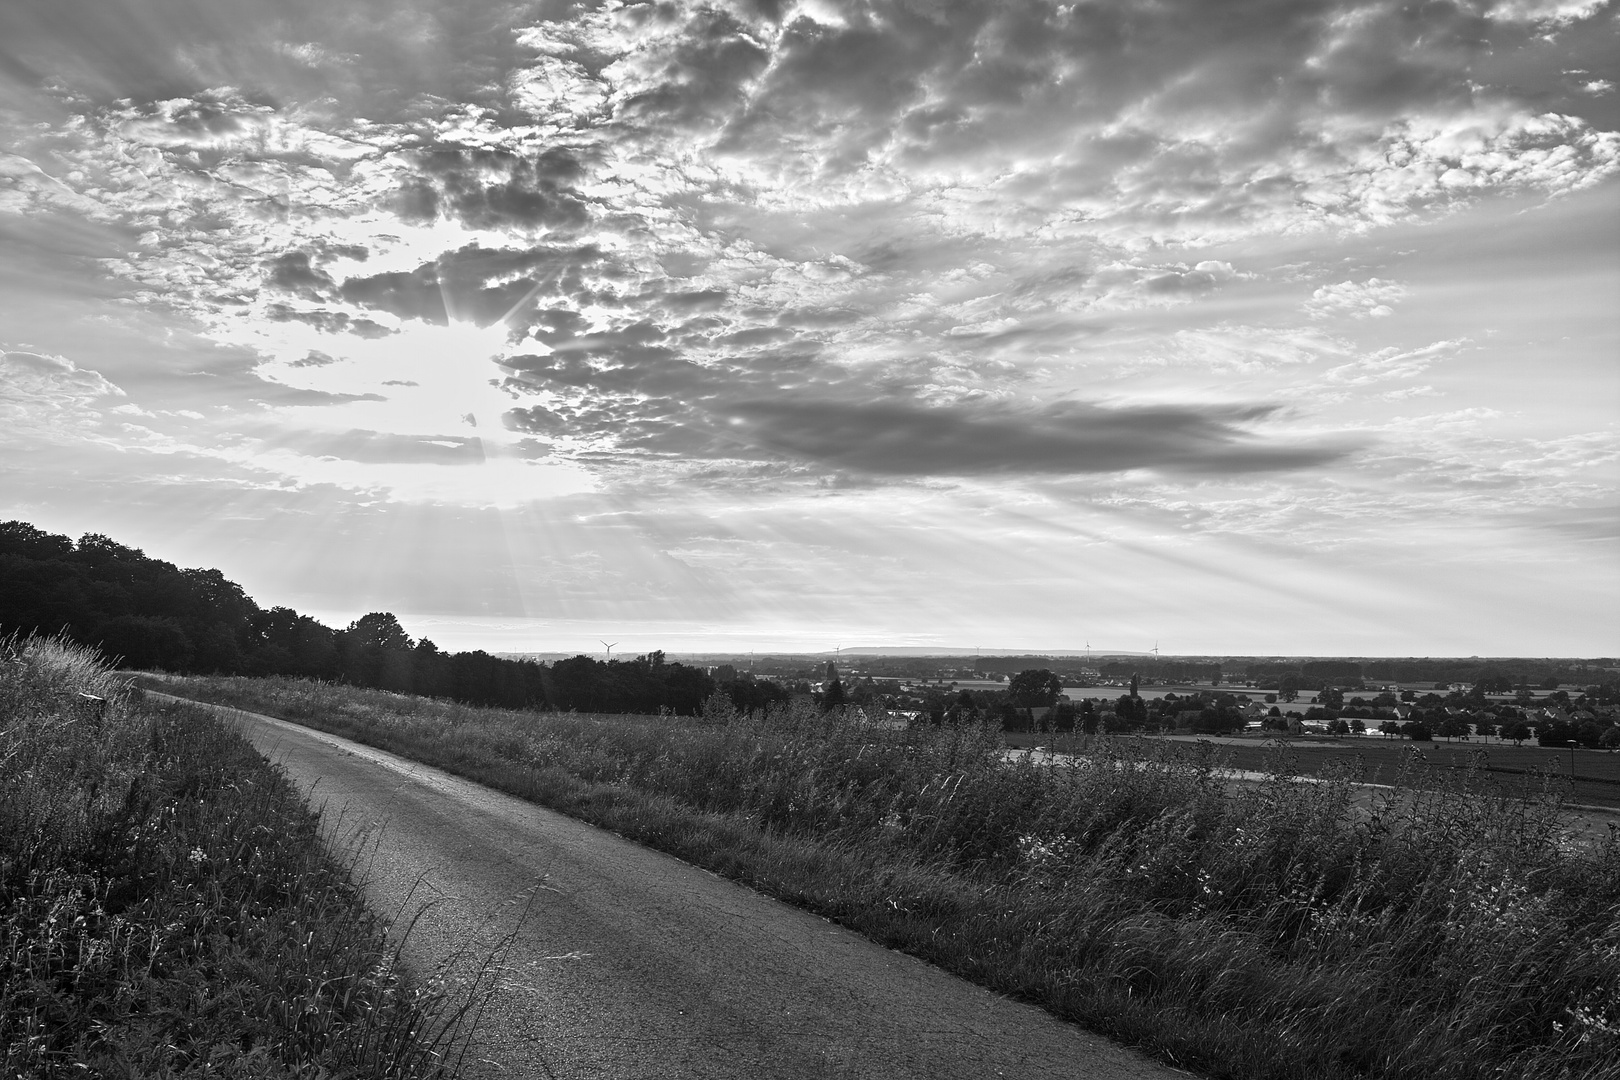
(1155, 650)
(609, 647)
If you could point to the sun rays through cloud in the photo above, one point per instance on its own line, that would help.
(734, 318)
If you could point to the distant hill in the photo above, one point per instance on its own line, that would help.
(923, 650)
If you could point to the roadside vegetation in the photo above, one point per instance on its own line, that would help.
(1279, 929)
(166, 905)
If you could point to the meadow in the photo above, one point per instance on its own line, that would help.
(167, 907)
(1275, 930)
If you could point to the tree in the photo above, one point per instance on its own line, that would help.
(1035, 688)
(1132, 711)
(1491, 680)
(1453, 727)
(379, 630)
(1288, 688)
(1417, 731)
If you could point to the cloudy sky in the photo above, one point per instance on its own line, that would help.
(1262, 326)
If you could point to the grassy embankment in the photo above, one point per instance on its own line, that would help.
(166, 905)
(1275, 931)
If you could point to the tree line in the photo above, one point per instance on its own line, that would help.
(149, 614)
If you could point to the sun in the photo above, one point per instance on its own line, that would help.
(422, 386)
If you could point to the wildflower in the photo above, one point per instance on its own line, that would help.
(197, 856)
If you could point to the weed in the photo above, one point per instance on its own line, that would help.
(166, 906)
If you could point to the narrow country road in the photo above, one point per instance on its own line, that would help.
(629, 964)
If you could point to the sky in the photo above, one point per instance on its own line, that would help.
(1269, 327)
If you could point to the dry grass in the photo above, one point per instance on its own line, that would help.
(1279, 930)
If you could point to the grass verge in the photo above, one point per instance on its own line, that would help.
(1281, 930)
(166, 905)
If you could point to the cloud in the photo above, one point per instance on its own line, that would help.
(900, 439)
(379, 447)
(907, 439)
(1201, 278)
(1371, 299)
(292, 272)
(331, 322)
(1393, 363)
(475, 284)
(38, 392)
(497, 189)
(1543, 11)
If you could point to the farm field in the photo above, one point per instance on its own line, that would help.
(1379, 760)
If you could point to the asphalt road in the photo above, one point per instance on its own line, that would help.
(620, 962)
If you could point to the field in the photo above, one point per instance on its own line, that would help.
(1277, 930)
(166, 905)
(1375, 759)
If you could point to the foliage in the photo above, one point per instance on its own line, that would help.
(1277, 929)
(151, 615)
(166, 907)
(1034, 688)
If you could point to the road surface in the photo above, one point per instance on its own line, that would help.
(621, 963)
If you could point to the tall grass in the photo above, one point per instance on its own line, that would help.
(166, 907)
(1442, 929)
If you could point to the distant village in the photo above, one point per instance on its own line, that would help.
(1420, 700)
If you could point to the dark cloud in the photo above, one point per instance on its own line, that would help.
(292, 272)
(906, 439)
(496, 189)
(697, 300)
(703, 74)
(331, 322)
(475, 284)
